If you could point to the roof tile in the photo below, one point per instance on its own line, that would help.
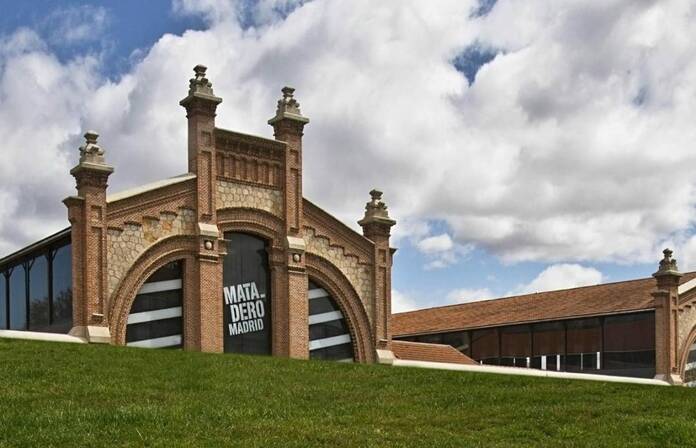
(608, 298)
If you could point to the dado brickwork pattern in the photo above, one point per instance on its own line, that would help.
(237, 184)
(126, 244)
(235, 195)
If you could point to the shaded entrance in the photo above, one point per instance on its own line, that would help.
(246, 297)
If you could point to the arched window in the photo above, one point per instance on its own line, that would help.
(155, 319)
(690, 369)
(329, 337)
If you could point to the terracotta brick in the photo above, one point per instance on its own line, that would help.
(236, 183)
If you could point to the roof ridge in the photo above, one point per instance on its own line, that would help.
(475, 302)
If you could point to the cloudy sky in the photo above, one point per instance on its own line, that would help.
(523, 145)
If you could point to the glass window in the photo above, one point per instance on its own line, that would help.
(458, 340)
(155, 319)
(629, 344)
(18, 299)
(38, 294)
(549, 342)
(62, 290)
(329, 335)
(549, 338)
(246, 298)
(583, 341)
(3, 303)
(429, 338)
(690, 368)
(484, 345)
(515, 342)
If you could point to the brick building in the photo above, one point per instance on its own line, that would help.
(231, 257)
(227, 257)
(639, 328)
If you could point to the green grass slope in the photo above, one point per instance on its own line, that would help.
(74, 395)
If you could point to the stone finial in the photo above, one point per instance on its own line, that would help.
(288, 103)
(199, 83)
(92, 164)
(376, 211)
(91, 152)
(200, 88)
(668, 265)
(288, 107)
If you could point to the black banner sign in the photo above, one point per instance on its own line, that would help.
(246, 297)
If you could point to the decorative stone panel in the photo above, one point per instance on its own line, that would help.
(359, 274)
(687, 322)
(236, 195)
(126, 244)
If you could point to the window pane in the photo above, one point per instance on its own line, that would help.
(484, 345)
(589, 361)
(629, 344)
(62, 290)
(18, 299)
(155, 318)
(631, 332)
(329, 334)
(584, 336)
(38, 295)
(549, 338)
(3, 303)
(429, 338)
(515, 341)
(690, 369)
(458, 340)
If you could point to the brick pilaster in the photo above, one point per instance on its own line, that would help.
(206, 282)
(288, 126)
(666, 319)
(87, 216)
(377, 227)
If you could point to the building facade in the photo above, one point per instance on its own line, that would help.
(229, 257)
(640, 328)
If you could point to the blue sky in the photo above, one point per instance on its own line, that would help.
(503, 176)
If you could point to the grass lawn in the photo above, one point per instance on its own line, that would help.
(72, 395)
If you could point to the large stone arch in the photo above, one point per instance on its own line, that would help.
(180, 247)
(332, 279)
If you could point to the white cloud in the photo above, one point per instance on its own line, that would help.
(401, 302)
(464, 295)
(440, 251)
(560, 276)
(574, 143)
(75, 24)
(434, 244)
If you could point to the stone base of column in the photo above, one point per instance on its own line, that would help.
(672, 379)
(92, 333)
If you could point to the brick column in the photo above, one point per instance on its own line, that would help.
(377, 226)
(87, 216)
(288, 126)
(206, 282)
(666, 320)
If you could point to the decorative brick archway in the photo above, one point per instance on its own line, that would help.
(684, 353)
(164, 252)
(331, 279)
